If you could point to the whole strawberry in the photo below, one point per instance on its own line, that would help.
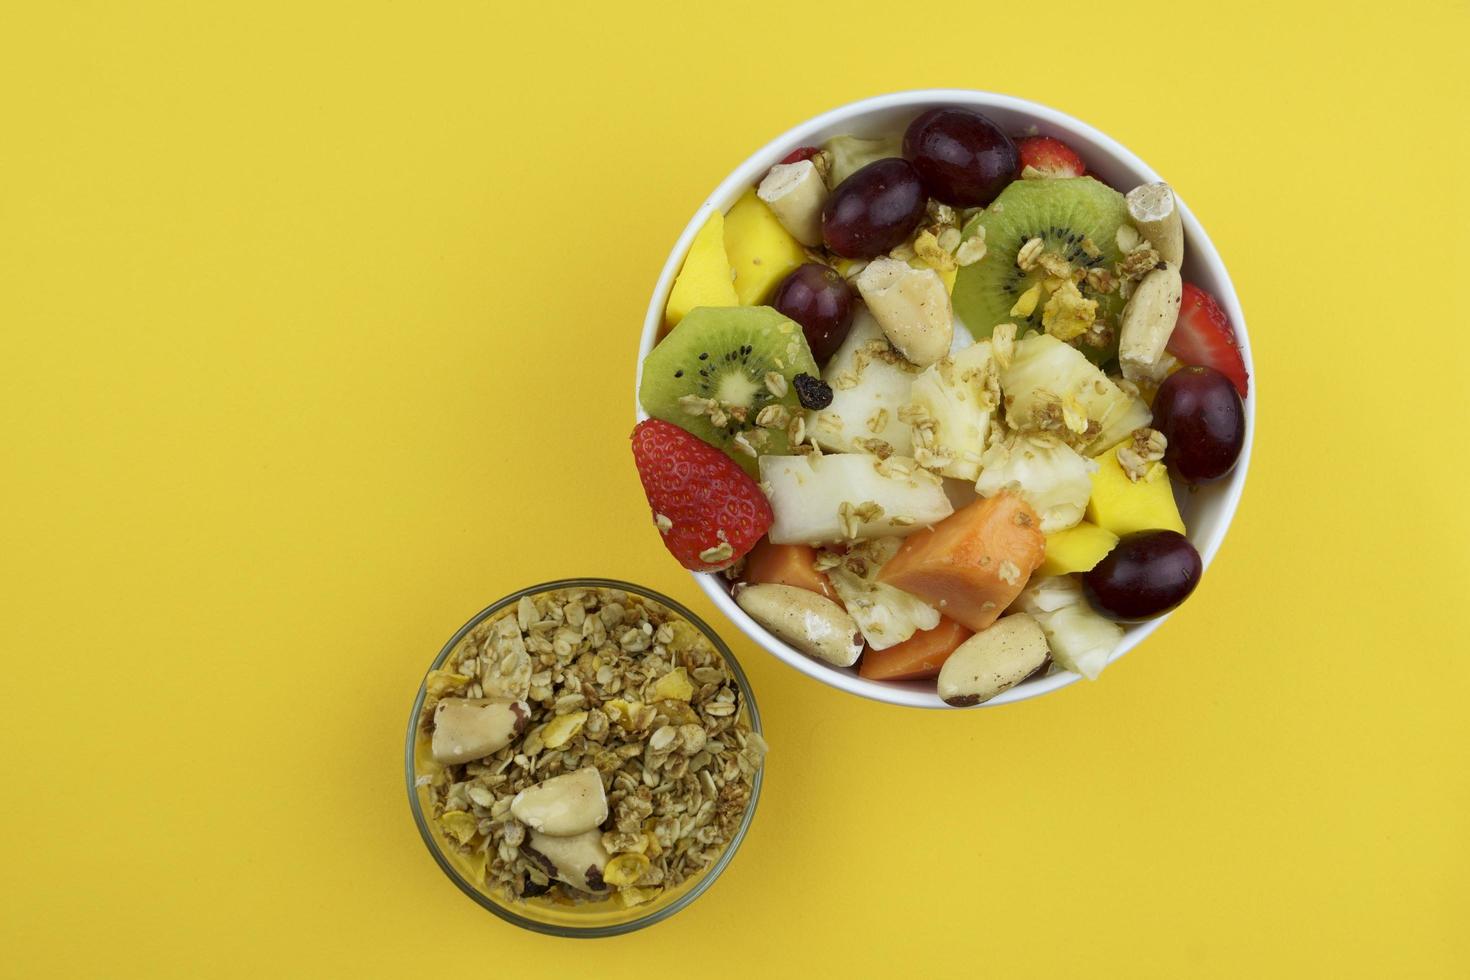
(708, 510)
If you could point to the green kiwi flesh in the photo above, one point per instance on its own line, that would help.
(1061, 212)
(725, 354)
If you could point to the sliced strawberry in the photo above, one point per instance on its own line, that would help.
(1203, 336)
(801, 153)
(1052, 157)
(709, 511)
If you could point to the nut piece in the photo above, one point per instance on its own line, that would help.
(563, 805)
(795, 194)
(992, 661)
(466, 729)
(579, 861)
(912, 307)
(1156, 214)
(810, 622)
(1147, 322)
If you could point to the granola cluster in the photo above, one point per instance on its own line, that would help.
(613, 681)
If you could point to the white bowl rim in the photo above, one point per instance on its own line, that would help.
(1201, 251)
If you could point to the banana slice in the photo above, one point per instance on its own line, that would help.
(795, 194)
(1155, 214)
(1147, 322)
(911, 305)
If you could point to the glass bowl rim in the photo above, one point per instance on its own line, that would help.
(706, 878)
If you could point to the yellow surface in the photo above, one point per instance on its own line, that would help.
(319, 329)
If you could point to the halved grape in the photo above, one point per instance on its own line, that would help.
(1145, 575)
(874, 210)
(1200, 414)
(819, 299)
(963, 158)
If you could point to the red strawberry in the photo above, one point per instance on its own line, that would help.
(1203, 336)
(1052, 157)
(801, 153)
(709, 506)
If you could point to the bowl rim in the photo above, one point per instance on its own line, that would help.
(1201, 251)
(707, 878)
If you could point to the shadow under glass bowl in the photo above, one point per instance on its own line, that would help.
(591, 920)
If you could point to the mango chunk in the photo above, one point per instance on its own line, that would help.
(946, 276)
(761, 251)
(674, 686)
(1122, 506)
(1076, 549)
(706, 278)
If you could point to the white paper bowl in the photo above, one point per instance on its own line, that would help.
(1207, 513)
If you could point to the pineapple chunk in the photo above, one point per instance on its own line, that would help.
(1123, 506)
(870, 385)
(1051, 386)
(852, 496)
(885, 615)
(761, 251)
(950, 406)
(1077, 549)
(850, 154)
(1080, 639)
(1047, 473)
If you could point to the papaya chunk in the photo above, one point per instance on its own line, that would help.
(917, 658)
(974, 563)
(786, 564)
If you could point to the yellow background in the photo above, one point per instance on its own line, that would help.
(318, 334)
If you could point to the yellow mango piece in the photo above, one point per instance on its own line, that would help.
(1122, 506)
(459, 824)
(945, 275)
(1077, 549)
(673, 686)
(560, 729)
(629, 897)
(706, 278)
(1026, 302)
(760, 250)
(625, 869)
(440, 682)
(623, 713)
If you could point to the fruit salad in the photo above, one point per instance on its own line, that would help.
(926, 402)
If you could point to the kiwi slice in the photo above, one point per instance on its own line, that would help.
(727, 358)
(1062, 212)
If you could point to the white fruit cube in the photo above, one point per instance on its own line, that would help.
(870, 385)
(849, 497)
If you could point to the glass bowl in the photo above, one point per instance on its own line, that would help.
(594, 919)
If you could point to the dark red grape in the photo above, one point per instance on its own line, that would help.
(816, 297)
(1200, 413)
(875, 209)
(1145, 575)
(963, 158)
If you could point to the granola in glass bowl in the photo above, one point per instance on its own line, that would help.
(584, 756)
